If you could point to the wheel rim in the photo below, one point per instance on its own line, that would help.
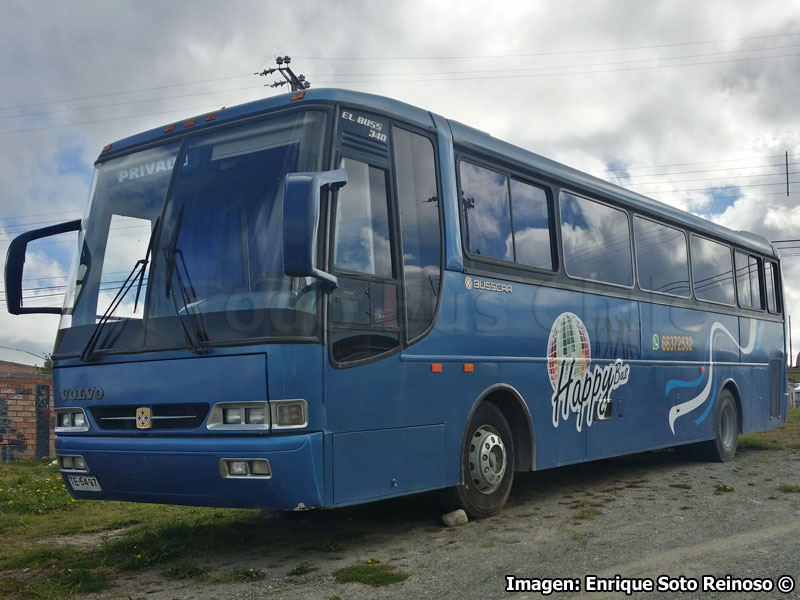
(487, 459)
(728, 431)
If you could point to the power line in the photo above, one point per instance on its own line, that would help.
(731, 178)
(564, 52)
(711, 189)
(63, 110)
(576, 66)
(707, 162)
(528, 75)
(716, 196)
(163, 112)
(55, 212)
(150, 89)
(692, 172)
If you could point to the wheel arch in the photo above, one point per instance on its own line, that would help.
(510, 402)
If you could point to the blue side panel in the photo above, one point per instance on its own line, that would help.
(364, 470)
(769, 348)
(294, 372)
(655, 370)
(389, 415)
(513, 328)
(694, 354)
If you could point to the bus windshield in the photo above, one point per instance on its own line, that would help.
(207, 216)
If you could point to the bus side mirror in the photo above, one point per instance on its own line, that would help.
(15, 261)
(301, 213)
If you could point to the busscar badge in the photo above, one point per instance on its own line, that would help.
(143, 418)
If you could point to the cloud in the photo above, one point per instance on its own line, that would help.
(590, 85)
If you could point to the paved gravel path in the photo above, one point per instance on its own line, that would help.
(642, 516)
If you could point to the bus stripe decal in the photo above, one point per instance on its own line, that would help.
(690, 405)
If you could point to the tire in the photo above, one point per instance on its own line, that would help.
(726, 429)
(726, 434)
(487, 465)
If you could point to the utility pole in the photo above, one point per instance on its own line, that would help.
(787, 172)
(298, 83)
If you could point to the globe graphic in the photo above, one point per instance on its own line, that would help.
(568, 340)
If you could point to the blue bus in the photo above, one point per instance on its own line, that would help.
(327, 297)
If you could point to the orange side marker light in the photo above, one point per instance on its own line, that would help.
(436, 368)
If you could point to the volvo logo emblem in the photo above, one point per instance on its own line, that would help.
(87, 393)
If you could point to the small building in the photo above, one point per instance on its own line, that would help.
(26, 401)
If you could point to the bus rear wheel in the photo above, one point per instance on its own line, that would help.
(726, 434)
(726, 430)
(487, 465)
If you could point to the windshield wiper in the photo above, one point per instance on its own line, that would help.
(137, 272)
(199, 345)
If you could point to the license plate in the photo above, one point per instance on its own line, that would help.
(84, 484)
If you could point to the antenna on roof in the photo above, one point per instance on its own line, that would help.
(298, 83)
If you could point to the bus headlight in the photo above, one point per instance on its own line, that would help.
(71, 419)
(289, 414)
(239, 415)
(245, 468)
(72, 463)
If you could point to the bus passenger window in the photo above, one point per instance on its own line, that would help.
(597, 243)
(771, 273)
(532, 246)
(712, 270)
(662, 261)
(747, 281)
(487, 217)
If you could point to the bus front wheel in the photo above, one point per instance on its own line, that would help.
(487, 465)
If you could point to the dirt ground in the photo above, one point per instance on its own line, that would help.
(644, 516)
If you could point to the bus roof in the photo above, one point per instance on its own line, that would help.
(465, 137)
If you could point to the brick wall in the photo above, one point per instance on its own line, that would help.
(7, 367)
(26, 414)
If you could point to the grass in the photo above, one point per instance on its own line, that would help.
(587, 513)
(789, 489)
(238, 575)
(785, 437)
(371, 573)
(756, 441)
(185, 569)
(304, 568)
(36, 511)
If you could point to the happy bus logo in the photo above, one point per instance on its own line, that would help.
(577, 388)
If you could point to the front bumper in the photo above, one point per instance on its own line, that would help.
(173, 470)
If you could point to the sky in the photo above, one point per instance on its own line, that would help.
(694, 103)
